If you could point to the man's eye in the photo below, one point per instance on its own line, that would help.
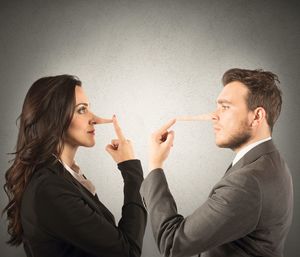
(225, 107)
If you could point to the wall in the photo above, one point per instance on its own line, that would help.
(148, 61)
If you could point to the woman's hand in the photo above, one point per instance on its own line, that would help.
(120, 149)
(160, 144)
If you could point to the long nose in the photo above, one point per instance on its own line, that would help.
(98, 120)
(215, 116)
(92, 120)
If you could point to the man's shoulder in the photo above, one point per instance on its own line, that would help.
(267, 164)
(269, 167)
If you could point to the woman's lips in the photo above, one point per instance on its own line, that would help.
(91, 132)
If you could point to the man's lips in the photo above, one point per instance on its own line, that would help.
(216, 129)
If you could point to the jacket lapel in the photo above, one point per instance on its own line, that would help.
(93, 201)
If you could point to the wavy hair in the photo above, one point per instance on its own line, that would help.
(46, 115)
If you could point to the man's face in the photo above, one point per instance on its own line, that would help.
(232, 117)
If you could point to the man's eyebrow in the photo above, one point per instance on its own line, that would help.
(85, 104)
(223, 101)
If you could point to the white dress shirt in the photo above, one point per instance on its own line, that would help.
(78, 175)
(246, 149)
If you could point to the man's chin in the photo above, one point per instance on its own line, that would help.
(234, 144)
(222, 144)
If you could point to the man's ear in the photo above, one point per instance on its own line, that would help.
(259, 116)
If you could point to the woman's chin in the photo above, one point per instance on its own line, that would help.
(89, 144)
(92, 145)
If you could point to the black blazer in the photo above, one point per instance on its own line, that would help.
(61, 218)
(248, 212)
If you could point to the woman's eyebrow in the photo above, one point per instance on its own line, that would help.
(85, 104)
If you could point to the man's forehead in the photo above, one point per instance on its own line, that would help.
(234, 88)
(232, 92)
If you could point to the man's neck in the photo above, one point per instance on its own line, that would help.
(247, 148)
(252, 140)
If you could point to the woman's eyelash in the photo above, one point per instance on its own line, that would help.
(81, 109)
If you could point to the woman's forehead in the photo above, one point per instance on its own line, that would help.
(80, 95)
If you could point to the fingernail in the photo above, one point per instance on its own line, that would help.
(114, 116)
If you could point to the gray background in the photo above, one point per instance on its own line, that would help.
(148, 61)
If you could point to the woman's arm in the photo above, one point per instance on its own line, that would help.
(134, 215)
(63, 213)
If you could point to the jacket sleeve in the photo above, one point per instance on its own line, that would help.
(64, 214)
(231, 211)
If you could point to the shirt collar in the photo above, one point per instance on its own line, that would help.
(68, 168)
(73, 172)
(246, 149)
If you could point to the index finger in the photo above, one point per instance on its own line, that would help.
(118, 129)
(165, 127)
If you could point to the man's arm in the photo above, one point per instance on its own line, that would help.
(231, 211)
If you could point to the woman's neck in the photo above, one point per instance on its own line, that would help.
(68, 155)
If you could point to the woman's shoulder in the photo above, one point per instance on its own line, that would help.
(49, 182)
(48, 169)
(47, 185)
(51, 173)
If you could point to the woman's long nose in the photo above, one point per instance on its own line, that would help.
(92, 120)
(99, 120)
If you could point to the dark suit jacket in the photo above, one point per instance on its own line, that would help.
(61, 218)
(248, 212)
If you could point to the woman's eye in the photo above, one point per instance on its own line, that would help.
(81, 110)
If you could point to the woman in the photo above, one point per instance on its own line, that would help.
(53, 209)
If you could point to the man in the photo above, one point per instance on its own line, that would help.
(249, 211)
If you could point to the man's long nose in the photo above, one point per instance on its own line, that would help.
(215, 116)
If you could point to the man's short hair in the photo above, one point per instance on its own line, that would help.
(262, 90)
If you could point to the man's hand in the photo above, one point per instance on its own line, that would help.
(120, 149)
(160, 144)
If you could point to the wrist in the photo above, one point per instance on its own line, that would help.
(125, 158)
(153, 166)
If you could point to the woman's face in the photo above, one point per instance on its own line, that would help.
(81, 131)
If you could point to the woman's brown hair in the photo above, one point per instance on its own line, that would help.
(46, 115)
